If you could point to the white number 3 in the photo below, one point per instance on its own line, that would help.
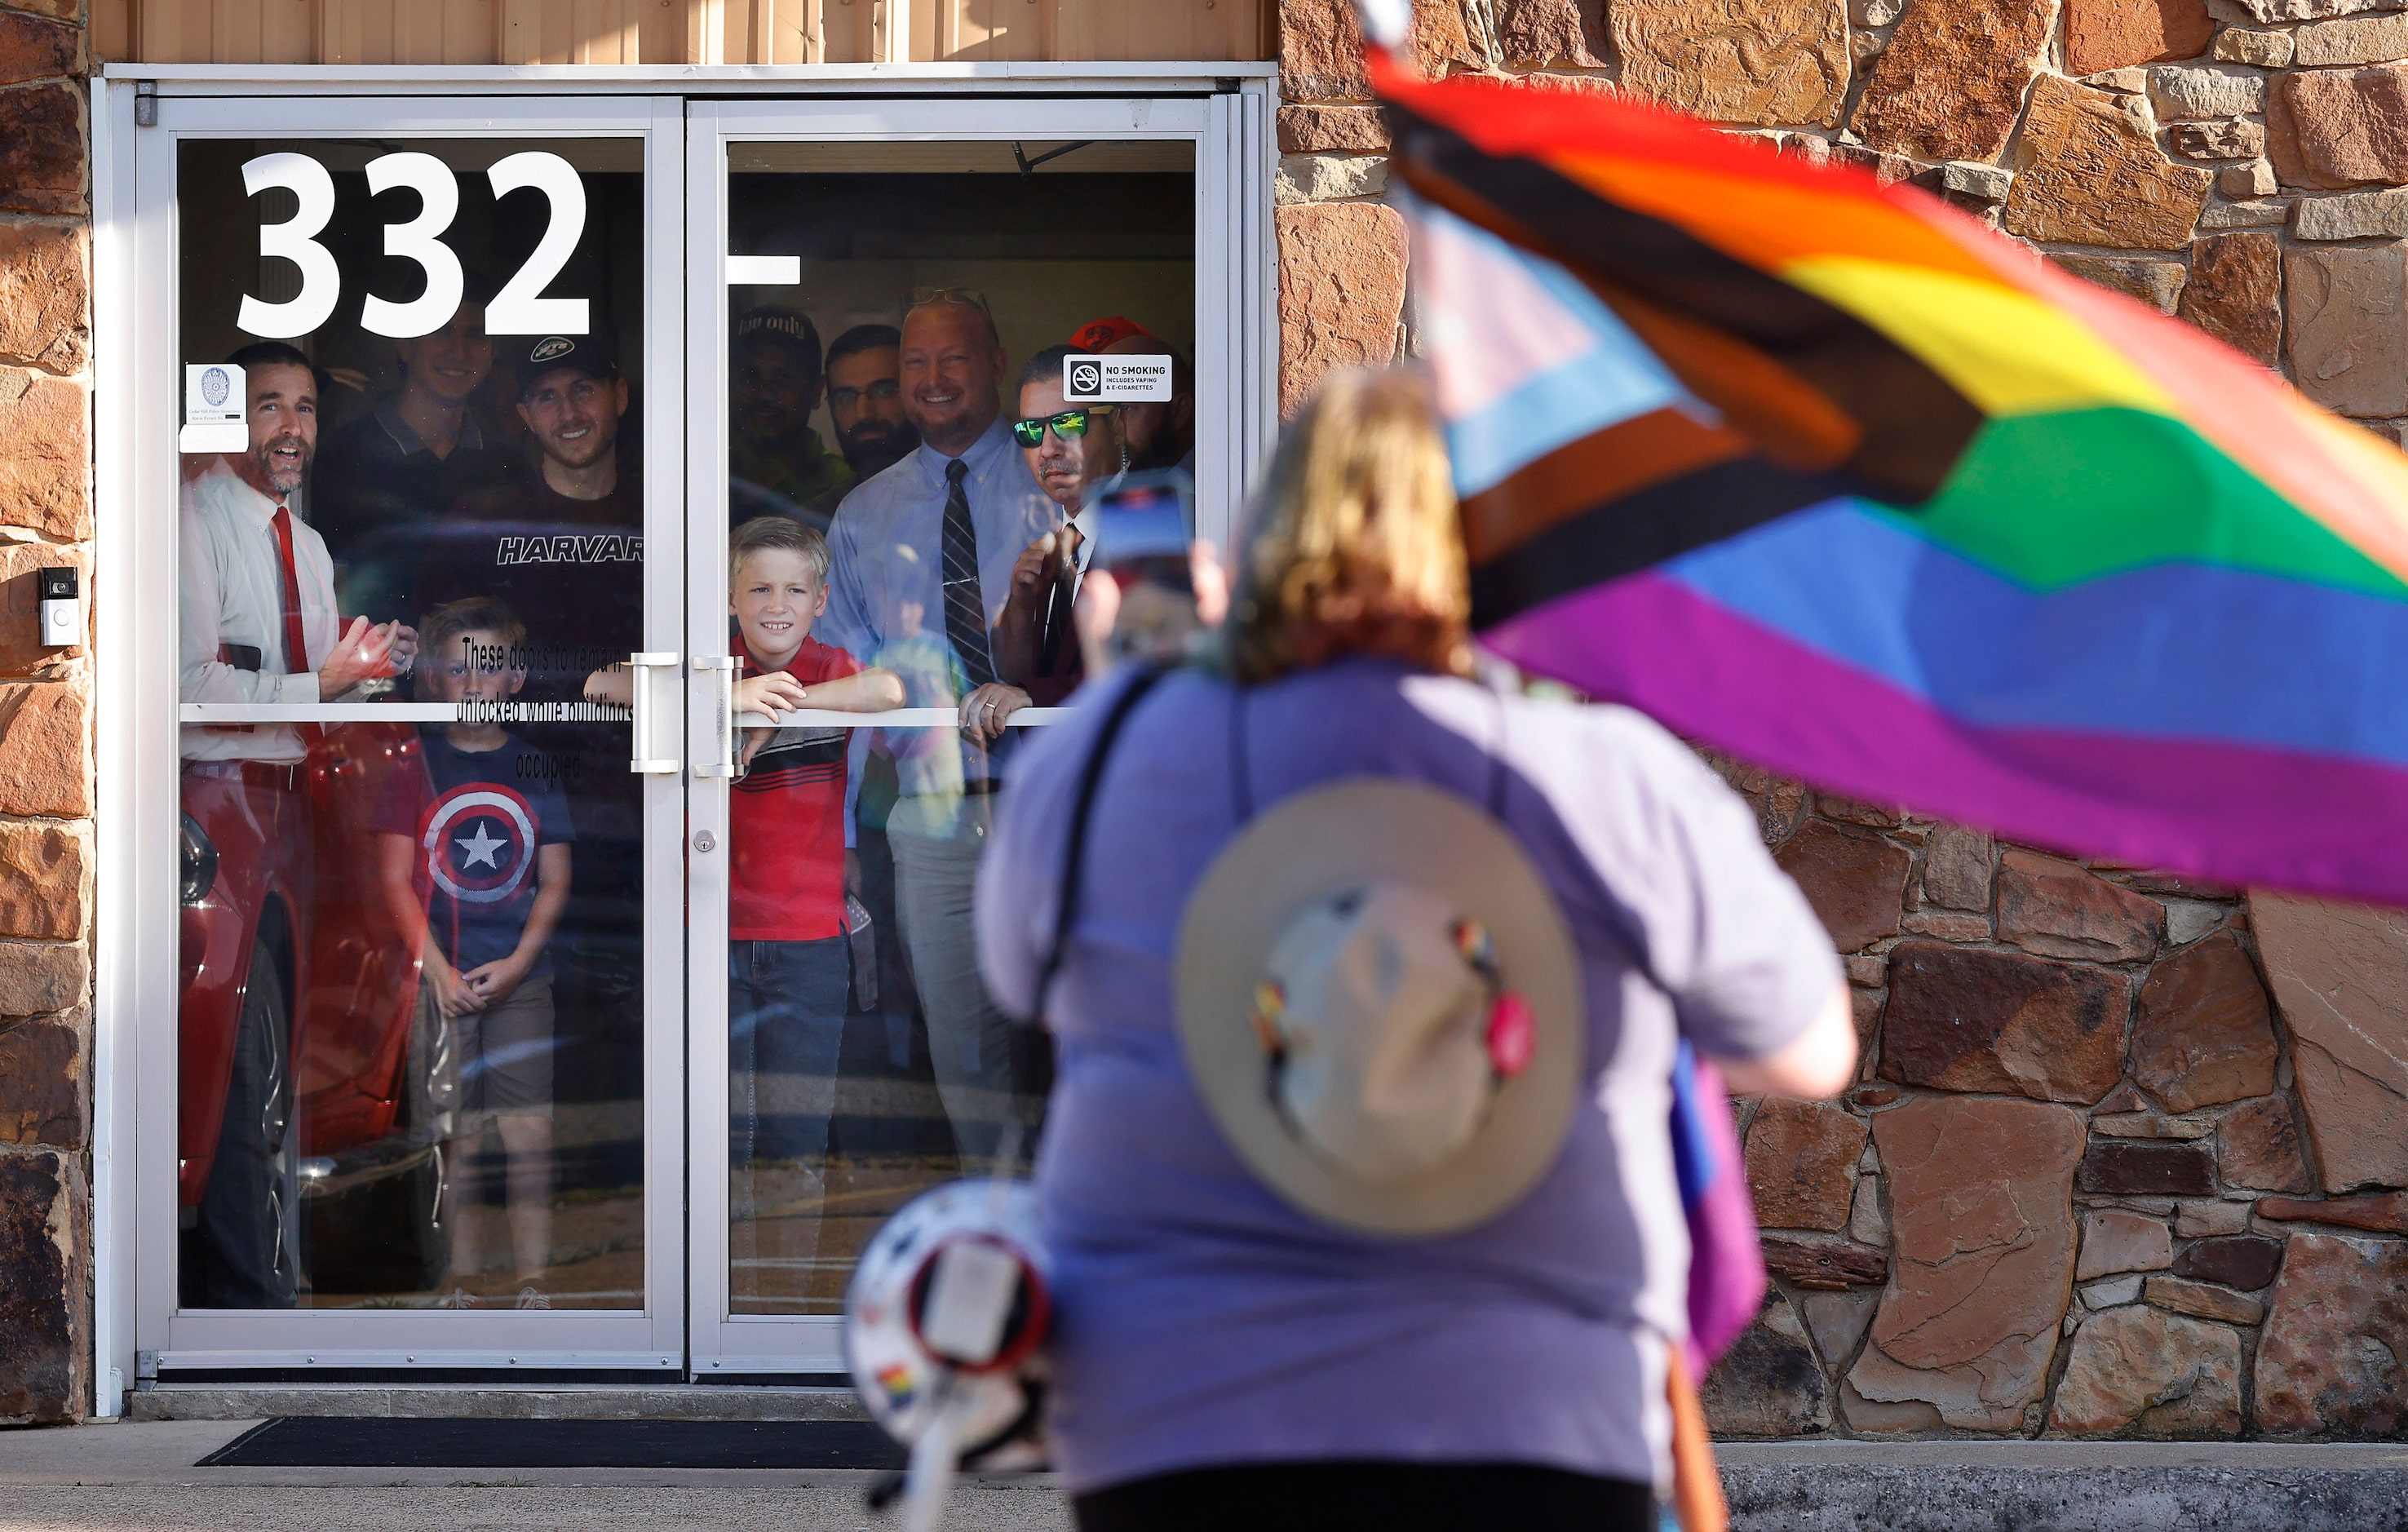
(518, 308)
(438, 196)
(295, 240)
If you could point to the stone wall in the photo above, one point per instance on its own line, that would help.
(2095, 1181)
(46, 786)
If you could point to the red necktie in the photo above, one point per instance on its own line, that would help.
(296, 645)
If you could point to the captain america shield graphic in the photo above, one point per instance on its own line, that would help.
(479, 844)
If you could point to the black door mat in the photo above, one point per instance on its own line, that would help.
(336, 1441)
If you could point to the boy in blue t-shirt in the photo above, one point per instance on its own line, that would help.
(472, 849)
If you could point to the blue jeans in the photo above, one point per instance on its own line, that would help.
(787, 1002)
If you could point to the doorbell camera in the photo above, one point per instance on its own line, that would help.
(60, 588)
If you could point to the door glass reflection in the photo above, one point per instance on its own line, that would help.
(909, 499)
(410, 1022)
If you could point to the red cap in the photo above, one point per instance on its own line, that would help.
(1097, 333)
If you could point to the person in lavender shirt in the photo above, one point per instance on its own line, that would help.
(1223, 1359)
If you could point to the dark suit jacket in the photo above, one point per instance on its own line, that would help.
(1035, 641)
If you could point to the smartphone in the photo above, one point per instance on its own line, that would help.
(1144, 525)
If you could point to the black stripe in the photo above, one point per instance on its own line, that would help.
(824, 751)
(778, 781)
(1915, 422)
(1642, 529)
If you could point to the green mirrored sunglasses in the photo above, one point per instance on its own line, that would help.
(1069, 426)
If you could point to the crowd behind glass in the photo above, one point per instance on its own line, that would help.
(475, 535)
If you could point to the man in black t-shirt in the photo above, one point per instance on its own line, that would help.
(562, 544)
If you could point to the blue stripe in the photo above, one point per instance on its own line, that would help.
(2183, 650)
(1619, 378)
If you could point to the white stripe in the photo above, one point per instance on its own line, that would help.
(765, 270)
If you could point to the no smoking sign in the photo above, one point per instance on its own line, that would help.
(1114, 379)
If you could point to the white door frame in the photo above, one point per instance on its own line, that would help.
(1237, 356)
(138, 395)
(137, 383)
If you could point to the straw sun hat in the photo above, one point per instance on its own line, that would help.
(1380, 1005)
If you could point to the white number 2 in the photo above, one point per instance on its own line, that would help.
(295, 240)
(419, 240)
(518, 308)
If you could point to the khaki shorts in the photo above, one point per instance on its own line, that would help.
(504, 1053)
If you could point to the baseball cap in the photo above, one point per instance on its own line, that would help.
(590, 355)
(785, 323)
(1097, 333)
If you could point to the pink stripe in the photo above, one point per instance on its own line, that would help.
(2232, 814)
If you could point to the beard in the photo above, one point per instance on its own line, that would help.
(871, 446)
(283, 480)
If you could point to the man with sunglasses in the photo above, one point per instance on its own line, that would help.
(1074, 451)
(865, 394)
(923, 556)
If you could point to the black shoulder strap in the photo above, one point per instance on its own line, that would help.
(1074, 865)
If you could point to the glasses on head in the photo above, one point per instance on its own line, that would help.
(881, 390)
(923, 296)
(1069, 426)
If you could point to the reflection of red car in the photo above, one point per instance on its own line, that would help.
(328, 1104)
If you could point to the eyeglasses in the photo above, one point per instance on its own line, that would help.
(1069, 426)
(881, 390)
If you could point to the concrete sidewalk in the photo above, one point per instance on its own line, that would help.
(2065, 1486)
(138, 1477)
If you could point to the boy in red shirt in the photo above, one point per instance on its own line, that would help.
(789, 968)
(789, 965)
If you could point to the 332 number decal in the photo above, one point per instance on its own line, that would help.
(518, 309)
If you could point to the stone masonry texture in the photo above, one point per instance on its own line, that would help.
(2238, 1071)
(46, 783)
(2055, 1048)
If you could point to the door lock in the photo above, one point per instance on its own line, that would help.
(705, 841)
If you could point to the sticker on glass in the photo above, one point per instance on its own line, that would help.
(1114, 379)
(214, 400)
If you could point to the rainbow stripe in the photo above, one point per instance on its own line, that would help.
(1826, 474)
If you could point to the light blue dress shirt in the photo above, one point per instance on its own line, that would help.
(887, 603)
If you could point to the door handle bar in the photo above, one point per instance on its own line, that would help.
(641, 693)
(723, 716)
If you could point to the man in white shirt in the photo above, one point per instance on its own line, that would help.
(923, 554)
(259, 621)
(258, 626)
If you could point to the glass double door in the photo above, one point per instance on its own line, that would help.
(618, 555)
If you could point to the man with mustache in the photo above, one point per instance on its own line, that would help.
(1076, 454)
(386, 477)
(941, 531)
(258, 624)
(864, 397)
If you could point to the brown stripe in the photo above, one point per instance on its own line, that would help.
(1794, 422)
(1806, 365)
(1790, 420)
(1580, 476)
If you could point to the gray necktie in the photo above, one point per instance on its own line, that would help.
(964, 604)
